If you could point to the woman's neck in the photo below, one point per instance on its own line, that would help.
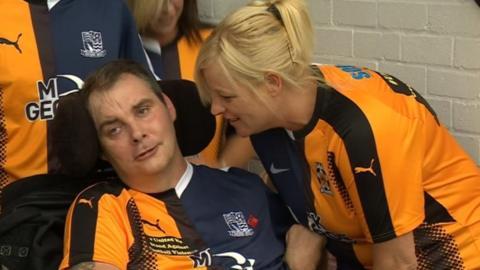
(300, 112)
(167, 38)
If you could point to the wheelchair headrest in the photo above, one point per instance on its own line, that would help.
(75, 142)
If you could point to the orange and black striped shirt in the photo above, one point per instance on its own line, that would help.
(45, 53)
(211, 219)
(372, 164)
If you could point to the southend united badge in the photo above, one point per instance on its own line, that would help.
(92, 45)
(237, 224)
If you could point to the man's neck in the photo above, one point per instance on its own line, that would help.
(168, 179)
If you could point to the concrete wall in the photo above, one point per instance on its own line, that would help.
(434, 45)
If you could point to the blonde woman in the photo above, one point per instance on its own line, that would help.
(358, 156)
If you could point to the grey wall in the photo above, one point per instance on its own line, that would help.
(434, 45)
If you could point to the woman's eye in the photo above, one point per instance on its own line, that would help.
(227, 98)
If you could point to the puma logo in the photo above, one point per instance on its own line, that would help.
(368, 169)
(12, 43)
(87, 202)
(156, 225)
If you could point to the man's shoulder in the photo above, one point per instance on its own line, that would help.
(231, 177)
(112, 188)
(229, 172)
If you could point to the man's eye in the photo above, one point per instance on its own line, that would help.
(143, 110)
(114, 131)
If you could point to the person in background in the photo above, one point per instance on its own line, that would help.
(172, 34)
(163, 212)
(46, 50)
(358, 156)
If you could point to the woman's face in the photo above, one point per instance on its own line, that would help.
(244, 110)
(167, 18)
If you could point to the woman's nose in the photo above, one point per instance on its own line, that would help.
(216, 107)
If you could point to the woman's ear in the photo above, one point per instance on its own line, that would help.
(274, 83)
(170, 107)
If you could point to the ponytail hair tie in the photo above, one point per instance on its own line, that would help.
(274, 11)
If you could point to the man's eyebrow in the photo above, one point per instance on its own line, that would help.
(135, 107)
(142, 103)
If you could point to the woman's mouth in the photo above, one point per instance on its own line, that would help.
(233, 120)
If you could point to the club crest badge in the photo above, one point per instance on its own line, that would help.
(237, 224)
(322, 178)
(92, 45)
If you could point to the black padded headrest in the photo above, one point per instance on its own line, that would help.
(75, 142)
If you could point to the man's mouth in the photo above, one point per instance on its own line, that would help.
(147, 153)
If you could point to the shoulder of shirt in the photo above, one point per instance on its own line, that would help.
(101, 189)
(227, 176)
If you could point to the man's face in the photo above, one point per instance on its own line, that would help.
(135, 128)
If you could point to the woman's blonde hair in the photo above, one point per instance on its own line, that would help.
(145, 14)
(265, 36)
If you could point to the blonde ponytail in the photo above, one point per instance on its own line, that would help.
(254, 40)
(296, 20)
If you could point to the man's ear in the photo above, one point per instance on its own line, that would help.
(274, 83)
(170, 107)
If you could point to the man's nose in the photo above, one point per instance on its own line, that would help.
(137, 133)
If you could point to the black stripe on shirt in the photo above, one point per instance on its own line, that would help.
(435, 212)
(44, 42)
(351, 124)
(187, 230)
(171, 62)
(84, 221)
(402, 88)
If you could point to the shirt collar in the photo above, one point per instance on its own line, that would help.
(151, 45)
(184, 180)
(52, 3)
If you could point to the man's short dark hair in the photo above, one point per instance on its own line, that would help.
(105, 77)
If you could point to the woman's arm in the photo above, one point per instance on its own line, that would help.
(398, 253)
(304, 248)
